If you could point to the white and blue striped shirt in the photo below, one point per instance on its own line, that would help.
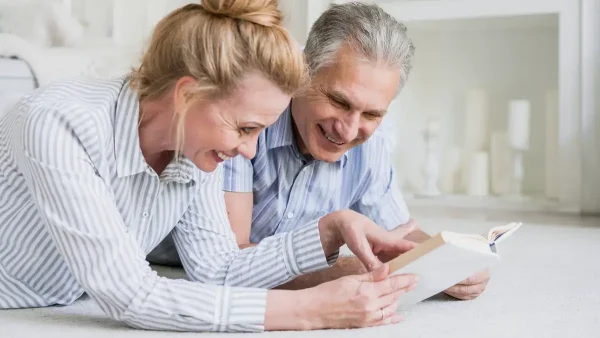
(80, 209)
(290, 190)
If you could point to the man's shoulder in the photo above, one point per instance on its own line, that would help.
(377, 146)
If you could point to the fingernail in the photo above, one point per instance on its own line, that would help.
(415, 279)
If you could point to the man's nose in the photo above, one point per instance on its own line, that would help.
(347, 128)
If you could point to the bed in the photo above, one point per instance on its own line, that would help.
(24, 68)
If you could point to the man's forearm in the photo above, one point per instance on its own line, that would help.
(344, 266)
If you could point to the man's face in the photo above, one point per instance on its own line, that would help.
(343, 106)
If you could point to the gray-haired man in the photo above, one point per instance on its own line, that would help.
(325, 153)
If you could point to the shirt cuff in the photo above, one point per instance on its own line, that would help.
(303, 251)
(242, 310)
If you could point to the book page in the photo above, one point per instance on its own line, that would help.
(442, 268)
(498, 234)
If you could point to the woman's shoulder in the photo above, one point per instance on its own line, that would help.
(77, 99)
(84, 108)
(78, 93)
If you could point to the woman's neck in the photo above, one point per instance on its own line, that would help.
(157, 132)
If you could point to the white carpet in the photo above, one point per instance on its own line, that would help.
(547, 286)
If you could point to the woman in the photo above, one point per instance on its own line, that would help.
(94, 174)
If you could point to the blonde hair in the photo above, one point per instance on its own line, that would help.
(217, 42)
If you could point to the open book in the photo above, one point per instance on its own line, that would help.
(447, 259)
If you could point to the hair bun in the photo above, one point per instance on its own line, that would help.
(261, 12)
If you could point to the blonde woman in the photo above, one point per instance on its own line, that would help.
(94, 174)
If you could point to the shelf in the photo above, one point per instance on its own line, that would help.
(540, 21)
(428, 10)
(516, 204)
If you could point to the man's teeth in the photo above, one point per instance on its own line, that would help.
(223, 156)
(334, 141)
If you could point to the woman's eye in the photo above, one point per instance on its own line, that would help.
(247, 130)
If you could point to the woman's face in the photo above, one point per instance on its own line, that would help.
(218, 130)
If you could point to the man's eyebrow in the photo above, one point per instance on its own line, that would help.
(379, 112)
(339, 98)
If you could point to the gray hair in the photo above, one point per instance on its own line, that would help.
(367, 29)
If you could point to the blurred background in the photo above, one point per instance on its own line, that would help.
(501, 111)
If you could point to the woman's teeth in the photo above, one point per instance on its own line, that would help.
(223, 156)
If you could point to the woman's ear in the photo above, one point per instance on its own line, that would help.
(182, 92)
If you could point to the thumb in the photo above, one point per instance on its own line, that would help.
(367, 257)
(405, 229)
(376, 275)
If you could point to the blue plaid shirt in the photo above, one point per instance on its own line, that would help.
(291, 191)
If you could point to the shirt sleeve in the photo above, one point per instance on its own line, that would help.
(238, 174)
(210, 254)
(379, 197)
(83, 220)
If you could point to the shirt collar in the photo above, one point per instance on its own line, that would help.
(129, 157)
(281, 134)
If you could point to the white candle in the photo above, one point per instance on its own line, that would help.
(476, 120)
(501, 163)
(478, 180)
(552, 158)
(518, 124)
(450, 170)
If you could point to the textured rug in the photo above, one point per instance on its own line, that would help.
(547, 285)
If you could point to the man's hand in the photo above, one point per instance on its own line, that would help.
(403, 231)
(471, 287)
(371, 244)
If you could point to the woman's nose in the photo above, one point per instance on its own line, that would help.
(248, 150)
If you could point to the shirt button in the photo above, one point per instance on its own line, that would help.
(145, 214)
(290, 215)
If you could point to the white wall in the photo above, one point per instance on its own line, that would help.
(299, 15)
(591, 106)
(510, 63)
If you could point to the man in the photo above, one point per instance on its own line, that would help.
(325, 153)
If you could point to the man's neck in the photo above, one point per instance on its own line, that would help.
(299, 143)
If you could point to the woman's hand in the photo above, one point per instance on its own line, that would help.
(371, 244)
(365, 300)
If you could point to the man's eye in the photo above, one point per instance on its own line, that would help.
(247, 130)
(371, 116)
(339, 104)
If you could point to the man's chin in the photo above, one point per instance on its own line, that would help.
(327, 156)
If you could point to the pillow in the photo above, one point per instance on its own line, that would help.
(43, 23)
